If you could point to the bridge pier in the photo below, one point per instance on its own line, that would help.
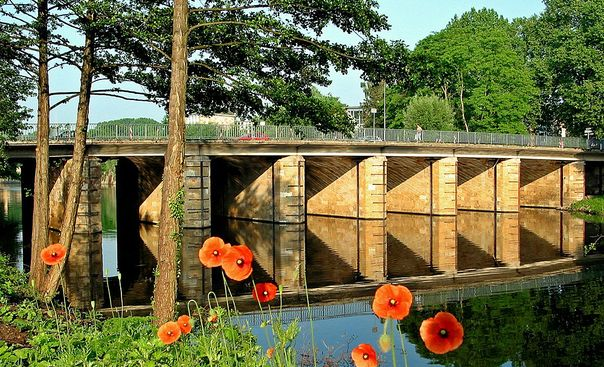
(195, 280)
(346, 187)
(422, 186)
(84, 267)
(507, 238)
(266, 189)
(551, 184)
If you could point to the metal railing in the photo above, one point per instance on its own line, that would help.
(203, 132)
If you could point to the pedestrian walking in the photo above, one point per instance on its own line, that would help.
(418, 133)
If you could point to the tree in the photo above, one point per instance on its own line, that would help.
(564, 49)
(324, 112)
(474, 63)
(38, 32)
(429, 112)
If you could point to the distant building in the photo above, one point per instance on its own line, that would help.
(218, 119)
(356, 114)
(222, 119)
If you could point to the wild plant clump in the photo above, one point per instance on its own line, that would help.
(13, 283)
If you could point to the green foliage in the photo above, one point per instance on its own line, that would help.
(592, 205)
(262, 64)
(130, 341)
(14, 89)
(129, 121)
(429, 112)
(324, 112)
(13, 282)
(564, 49)
(474, 64)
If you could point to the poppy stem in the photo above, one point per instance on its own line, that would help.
(65, 300)
(226, 296)
(109, 292)
(312, 329)
(54, 310)
(203, 330)
(400, 333)
(393, 349)
(119, 282)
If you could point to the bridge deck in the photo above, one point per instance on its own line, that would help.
(20, 150)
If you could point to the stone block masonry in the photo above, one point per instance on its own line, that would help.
(84, 270)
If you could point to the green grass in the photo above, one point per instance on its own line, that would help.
(593, 205)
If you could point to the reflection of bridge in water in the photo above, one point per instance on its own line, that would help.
(423, 298)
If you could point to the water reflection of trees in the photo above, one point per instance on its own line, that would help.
(557, 326)
(10, 228)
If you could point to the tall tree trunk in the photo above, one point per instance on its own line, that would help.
(463, 110)
(39, 236)
(79, 150)
(164, 293)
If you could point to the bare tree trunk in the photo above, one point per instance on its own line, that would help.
(463, 111)
(39, 236)
(79, 150)
(445, 89)
(165, 284)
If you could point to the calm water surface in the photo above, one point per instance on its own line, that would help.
(547, 320)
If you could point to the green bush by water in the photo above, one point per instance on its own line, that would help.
(593, 205)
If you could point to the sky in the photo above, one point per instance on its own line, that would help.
(410, 20)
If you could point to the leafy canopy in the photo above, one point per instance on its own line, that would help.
(261, 58)
(474, 63)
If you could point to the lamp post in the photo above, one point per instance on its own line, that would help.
(373, 111)
(384, 110)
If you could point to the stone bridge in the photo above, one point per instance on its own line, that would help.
(284, 181)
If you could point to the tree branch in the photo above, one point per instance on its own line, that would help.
(64, 100)
(203, 47)
(123, 97)
(234, 8)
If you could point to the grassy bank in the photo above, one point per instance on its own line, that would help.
(593, 205)
(33, 333)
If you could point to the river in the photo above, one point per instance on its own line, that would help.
(511, 279)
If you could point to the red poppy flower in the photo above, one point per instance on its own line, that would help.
(237, 262)
(212, 251)
(264, 292)
(392, 301)
(184, 322)
(269, 352)
(53, 254)
(364, 356)
(441, 333)
(169, 332)
(213, 318)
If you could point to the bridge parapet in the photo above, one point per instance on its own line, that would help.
(206, 132)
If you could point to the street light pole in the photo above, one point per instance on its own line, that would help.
(384, 110)
(373, 111)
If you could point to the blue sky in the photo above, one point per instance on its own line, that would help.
(411, 20)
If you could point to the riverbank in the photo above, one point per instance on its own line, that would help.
(592, 207)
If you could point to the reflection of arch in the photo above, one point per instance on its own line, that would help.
(471, 256)
(402, 261)
(535, 248)
(325, 265)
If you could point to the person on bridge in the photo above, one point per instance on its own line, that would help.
(418, 133)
